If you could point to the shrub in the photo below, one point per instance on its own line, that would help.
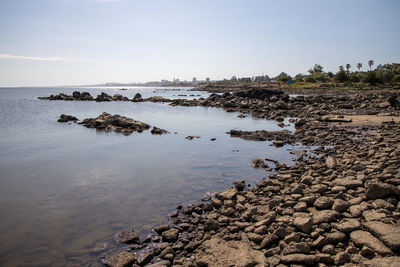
(309, 79)
(396, 78)
(371, 78)
(341, 76)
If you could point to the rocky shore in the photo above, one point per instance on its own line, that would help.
(337, 206)
(116, 123)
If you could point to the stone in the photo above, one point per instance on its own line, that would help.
(340, 205)
(323, 203)
(382, 262)
(373, 215)
(363, 238)
(228, 193)
(330, 162)
(347, 225)
(325, 216)
(379, 190)
(128, 236)
(218, 252)
(122, 259)
(170, 235)
(67, 118)
(349, 183)
(297, 248)
(161, 228)
(341, 258)
(256, 238)
(268, 240)
(387, 233)
(299, 259)
(304, 224)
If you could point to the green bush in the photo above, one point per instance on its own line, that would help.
(283, 79)
(371, 78)
(298, 80)
(341, 76)
(396, 78)
(309, 79)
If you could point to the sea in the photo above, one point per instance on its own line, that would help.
(65, 189)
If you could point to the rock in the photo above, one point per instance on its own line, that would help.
(170, 235)
(116, 123)
(349, 183)
(144, 258)
(191, 137)
(67, 118)
(304, 224)
(340, 205)
(137, 97)
(382, 262)
(335, 237)
(259, 163)
(363, 238)
(240, 185)
(348, 225)
(373, 215)
(297, 248)
(325, 216)
(330, 162)
(268, 240)
(299, 258)
(256, 238)
(341, 258)
(161, 228)
(228, 193)
(123, 259)
(323, 203)
(218, 252)
(158, 131)
(387, 233)
(103, 97)
(379, 190)
(300, 122)
(128, 236)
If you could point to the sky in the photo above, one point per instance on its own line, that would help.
(77, 42)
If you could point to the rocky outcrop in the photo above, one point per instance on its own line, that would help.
(67, 118)
(115, 123)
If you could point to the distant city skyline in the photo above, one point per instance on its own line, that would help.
(77, 42)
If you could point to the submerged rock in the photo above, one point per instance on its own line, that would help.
(67, 118)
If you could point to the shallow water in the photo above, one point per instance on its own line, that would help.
(65, 189)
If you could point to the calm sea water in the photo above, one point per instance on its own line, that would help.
(65, 189)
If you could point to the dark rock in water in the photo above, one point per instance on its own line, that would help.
(158, 131)
(103, 97)
(67, 118)
(240, 185)
(170, 235)
(84, 96)
(115, 122)
(76, 94)
(137, 98)
(128, 236)
(213, 139)
(190, 137)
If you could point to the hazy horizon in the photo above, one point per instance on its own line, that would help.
(64, 42)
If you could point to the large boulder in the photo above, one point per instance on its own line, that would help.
(379, 190)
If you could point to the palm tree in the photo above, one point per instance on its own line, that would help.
(341, 68)
(348, 66)
(359, 66)
(370, 63)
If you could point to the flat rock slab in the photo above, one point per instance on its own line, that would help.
(218, 252)
(123, 259)
(299, 259)
(382, 262)
(126, 236)
(364, 238)
(387, 233)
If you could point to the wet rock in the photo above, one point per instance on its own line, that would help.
(259, 163)
(137, 98)
(191, 137)
(240, 185)
(228, 193)
(144, 258)
(116, 123)
(123, 259)
(300, 122)
(158, 131)
(67, 118)
(161, 228)
(128, 236)
(363, 238)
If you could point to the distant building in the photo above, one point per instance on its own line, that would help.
(207, 80)
(194, 80)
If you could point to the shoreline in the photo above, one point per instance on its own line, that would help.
(340, 207)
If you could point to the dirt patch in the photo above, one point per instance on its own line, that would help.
(368, 119)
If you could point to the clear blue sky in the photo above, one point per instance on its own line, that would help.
(66, 42)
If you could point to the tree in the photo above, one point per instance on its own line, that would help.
(341, 76)
(341, 68)
(348, 66)
(370, 63)
(316, 69)
(359, 66)
(234, 79)
(370, 78)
